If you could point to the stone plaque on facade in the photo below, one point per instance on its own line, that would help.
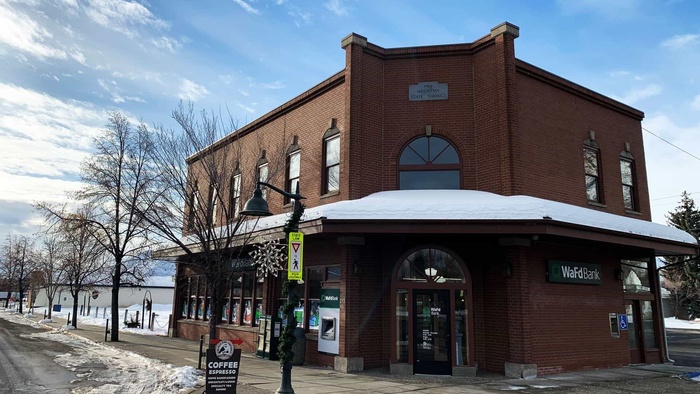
(426, 91)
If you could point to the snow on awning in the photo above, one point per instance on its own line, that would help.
(454, 205)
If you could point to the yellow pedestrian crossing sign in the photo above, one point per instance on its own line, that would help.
(295, 261)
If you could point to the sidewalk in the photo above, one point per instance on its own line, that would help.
(264, 375)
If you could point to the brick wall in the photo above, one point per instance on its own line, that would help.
(570, 326)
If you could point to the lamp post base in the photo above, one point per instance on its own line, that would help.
(286, 383)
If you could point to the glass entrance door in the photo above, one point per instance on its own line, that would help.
(431, 332)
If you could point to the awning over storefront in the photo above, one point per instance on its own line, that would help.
(476, 212)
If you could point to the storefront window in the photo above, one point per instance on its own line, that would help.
(635, 275)
(461, 315)
(314, 279)
(235, 312)
(183, 311)
(401, 326)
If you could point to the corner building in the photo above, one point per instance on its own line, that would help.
(472, 211)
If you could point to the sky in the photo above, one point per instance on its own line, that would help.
(65, 63)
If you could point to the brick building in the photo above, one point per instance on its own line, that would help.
(472, 212)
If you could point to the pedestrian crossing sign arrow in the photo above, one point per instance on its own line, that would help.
(295, 262)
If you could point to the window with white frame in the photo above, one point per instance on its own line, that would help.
(627, 174)
(235, 196)
(591, 166)
(262, 177)
(331, 163)
(213, 203)
(293, 172)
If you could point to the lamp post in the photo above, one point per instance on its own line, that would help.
(257, 206)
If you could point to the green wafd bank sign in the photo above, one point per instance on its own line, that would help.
(330, 298)
(572, 272)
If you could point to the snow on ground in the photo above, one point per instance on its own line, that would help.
(672, 322)
(99, 318)
(124, 371)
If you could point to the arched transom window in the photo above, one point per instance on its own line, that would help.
(429, 162)
(430, 266)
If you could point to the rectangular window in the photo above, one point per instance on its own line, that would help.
(635, 276)
(248, 307)
(628, 193)
(194, 209)
(331, 171)
(262, 177)
(235, 197)
(245, 306)
(402, 326)
(213, 203)
(648, 321)
(314, 280)
(591, 165)
(293, 171)
(461, 329)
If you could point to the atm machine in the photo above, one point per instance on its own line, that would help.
(329, 314)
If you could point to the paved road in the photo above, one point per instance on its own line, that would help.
(26, 364)
(684, 347)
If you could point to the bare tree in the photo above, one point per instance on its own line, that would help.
(84, 256)
(18, 254)
(51, 264)
(200, 192)
(117, 176)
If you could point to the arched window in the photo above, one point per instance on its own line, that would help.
(430, 266)
(429, 162)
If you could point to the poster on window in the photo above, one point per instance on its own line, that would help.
(313, 315)
(247, 312)
(224, 312)
(234, 312)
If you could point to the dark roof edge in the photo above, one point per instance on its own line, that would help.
(562, 83)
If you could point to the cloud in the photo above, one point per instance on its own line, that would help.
(19, 218)
(272, 85)
(45, 139)
(669, 170)
(336, 7)
(636, 95)
(114, 91)
(300, 16)
(123, 16)
(191, 91)
(249, 109)
(247, 7)
(21, 32)
(171, 44)
(695, 104)
(680, 41)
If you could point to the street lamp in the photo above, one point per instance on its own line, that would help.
(257, 206)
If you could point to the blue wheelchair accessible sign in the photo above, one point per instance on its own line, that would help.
(622, 321)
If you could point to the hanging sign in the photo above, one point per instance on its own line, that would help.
(295, 263)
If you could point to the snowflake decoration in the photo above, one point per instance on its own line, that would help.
(269, 257)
